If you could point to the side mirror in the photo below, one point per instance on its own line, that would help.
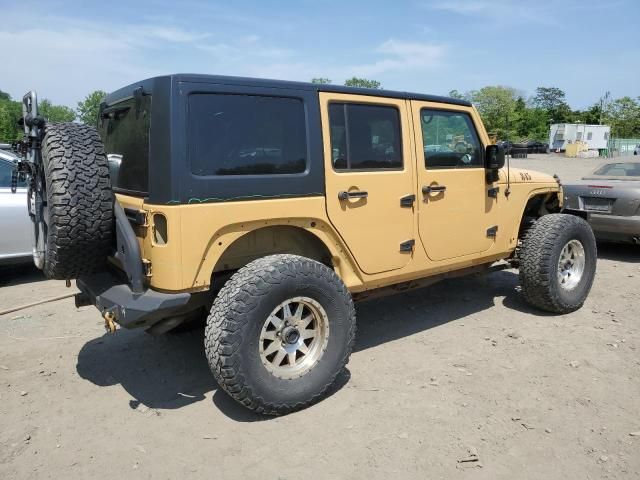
(494, 157)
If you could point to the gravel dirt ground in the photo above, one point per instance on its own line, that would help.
(463, 370)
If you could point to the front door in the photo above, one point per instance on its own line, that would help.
(455, 211)
(369, 178)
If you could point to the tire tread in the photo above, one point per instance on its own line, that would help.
(80, 200)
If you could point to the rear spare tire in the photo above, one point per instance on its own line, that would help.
(75, 227)
(558, 263)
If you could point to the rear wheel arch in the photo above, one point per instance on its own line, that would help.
(264, 241)
(318, 243)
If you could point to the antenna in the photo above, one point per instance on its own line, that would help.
(507, 192)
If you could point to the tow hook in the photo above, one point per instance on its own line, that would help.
(109, 324)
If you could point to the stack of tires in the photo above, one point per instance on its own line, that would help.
(542, 147)
(519, 150)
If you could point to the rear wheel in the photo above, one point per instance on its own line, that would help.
(558, 263)
(279, 333)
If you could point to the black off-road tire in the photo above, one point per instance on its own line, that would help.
(539, 257)
(79, 198)
(237, 316)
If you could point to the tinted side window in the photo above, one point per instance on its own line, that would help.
(449, 140)
(246, 135)
(365, 137)
(124, 129)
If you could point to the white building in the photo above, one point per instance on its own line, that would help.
(562, 134)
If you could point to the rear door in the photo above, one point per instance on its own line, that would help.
(369, 177)
(455, 214)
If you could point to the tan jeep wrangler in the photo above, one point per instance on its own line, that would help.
(272, 205)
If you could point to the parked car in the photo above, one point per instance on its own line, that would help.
(520, 150)
(609, 199)
(15, 239)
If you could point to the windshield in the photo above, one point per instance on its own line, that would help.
(124, 128)
(630, 169)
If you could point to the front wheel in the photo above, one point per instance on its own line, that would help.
(279, 333)
(558, 263)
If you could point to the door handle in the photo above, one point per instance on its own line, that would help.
(433, 189)
(349, 195)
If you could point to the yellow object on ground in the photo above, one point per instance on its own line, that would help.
(574, 148)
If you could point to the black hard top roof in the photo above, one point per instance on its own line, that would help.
(285, 84)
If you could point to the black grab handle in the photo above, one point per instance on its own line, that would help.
(349, 195)
(433, 189)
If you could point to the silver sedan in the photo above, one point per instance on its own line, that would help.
(609, 199)
(15, 237)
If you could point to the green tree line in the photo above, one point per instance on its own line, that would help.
(11, 111)
(509, 114)
(506, 111)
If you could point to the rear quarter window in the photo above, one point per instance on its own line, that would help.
(232, 134)
(124, 129)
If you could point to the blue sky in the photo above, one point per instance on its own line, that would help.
(430, 46)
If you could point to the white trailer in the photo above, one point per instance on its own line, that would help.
(562, 134)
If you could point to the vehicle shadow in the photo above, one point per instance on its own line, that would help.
(620, 252)
(164, 372)
(11, 275)
(394, 317)
(171, 371)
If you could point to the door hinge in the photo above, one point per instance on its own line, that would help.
(407, 246)
(493, 192)
(407, 201)
(492, 231)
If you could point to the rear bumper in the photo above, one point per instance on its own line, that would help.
(132, 310)
(615, 224)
